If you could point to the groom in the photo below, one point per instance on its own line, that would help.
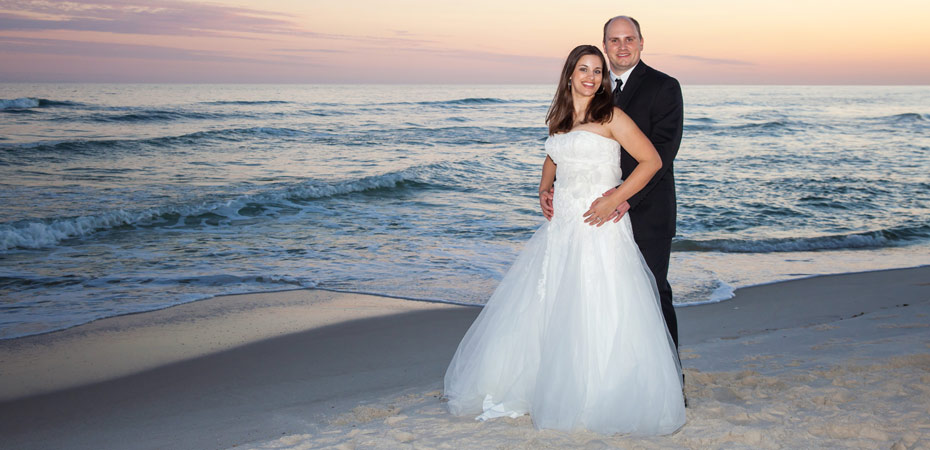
(653, 100)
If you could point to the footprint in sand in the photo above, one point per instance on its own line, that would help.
(728, 395)
(391, 421)
(402, 436)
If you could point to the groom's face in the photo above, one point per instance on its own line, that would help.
(622, 45)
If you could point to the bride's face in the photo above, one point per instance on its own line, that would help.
(586, 79)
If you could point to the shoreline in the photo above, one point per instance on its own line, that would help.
(236, 294)
(428, 300)
(312, 364)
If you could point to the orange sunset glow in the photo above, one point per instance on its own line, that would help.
(440, 42)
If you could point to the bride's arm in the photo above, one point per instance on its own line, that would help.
(545, 188)
(625, 131)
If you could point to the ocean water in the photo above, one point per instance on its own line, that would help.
(121, 198)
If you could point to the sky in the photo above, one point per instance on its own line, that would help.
(454, 41)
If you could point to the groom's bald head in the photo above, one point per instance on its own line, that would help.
(627, 18)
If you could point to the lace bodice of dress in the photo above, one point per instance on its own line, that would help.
(587, 165)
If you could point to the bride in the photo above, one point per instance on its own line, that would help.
(574, 333)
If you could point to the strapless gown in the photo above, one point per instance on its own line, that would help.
(574, 334)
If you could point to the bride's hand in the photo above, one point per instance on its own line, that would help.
(600, 211)
(545, 202)
(621, 210)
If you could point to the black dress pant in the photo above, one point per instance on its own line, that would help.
(657, 252)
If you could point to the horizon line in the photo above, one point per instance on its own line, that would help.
(328, 83)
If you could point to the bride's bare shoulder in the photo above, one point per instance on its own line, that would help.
(619, 124)
(618, 114)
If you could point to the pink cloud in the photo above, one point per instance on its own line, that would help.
(37, 46)
(168, 17)
(164, 17)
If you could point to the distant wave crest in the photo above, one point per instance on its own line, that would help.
(19, 103)
(85, 146)
(771, 125)
(905, 118)
(32, 102)
(870, 239)
(247, 102)
(469, 101)
(769, 128)
(153, 116)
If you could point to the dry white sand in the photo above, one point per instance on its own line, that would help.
(834, 361)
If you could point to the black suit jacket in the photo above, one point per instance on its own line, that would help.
(653, 100)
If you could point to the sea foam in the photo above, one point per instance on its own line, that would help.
(46, 233)
(19, 103)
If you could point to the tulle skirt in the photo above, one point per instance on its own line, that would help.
(574, 336)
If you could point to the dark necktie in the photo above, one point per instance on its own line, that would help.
(617, 91)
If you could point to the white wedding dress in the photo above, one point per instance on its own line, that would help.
(574, 334)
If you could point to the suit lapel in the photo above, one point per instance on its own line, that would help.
(632, 84)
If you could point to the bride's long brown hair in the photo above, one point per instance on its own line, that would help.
(562, 109)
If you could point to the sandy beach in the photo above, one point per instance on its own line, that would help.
(830, 361)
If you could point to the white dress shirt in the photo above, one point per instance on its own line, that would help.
(623, 77)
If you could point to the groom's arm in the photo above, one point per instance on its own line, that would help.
(666, 115)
